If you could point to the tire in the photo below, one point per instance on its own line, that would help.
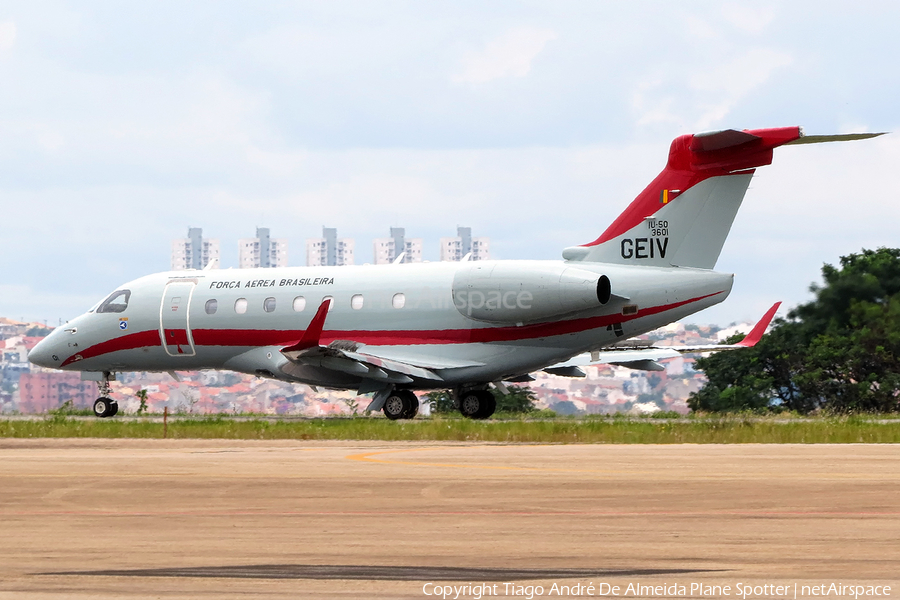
(413, 400)
(396, 406)
(102, 407)
(489, 405)
(477, 404)
(113, 409)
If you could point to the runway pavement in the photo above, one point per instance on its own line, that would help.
(240, 519)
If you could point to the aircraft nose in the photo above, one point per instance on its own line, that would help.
(43, 354)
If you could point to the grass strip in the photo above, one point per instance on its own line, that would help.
(591, 431)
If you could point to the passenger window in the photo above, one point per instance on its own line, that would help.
(212, 306)
(116, 303)
(269, 305)
(356, 302)
(330, 302)
(299, 304)
(398, 301)
(240, 306)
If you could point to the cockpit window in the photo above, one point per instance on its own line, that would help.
(116, 303)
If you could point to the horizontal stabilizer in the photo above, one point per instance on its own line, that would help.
(641, 365)
(571, 371)
(636, 354)
(839, 137)
(719, 140)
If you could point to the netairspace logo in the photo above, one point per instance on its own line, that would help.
(477, 591)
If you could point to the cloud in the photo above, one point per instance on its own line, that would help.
(729, 83)
(700, 96)
(279, 163)
(509, 55)
(7, 35)
(751, 18)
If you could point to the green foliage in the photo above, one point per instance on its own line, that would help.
(353, 405)
(441, 402)
(520, 399)
(142, 396)
(739, 429)
(665, 414)
(38, 331)
(839, 353)
(67, 408)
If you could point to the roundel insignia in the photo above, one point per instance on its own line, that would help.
(123, 324)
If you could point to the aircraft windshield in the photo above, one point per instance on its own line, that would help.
(116, 303)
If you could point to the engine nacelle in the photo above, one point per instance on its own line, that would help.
(516, 292)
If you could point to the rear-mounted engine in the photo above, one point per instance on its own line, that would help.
(524, 293)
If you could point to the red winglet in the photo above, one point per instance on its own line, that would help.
(312, 334)
(760, 328)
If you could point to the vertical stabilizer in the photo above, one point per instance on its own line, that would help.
(683, 217)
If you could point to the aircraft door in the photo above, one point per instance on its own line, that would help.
(174, 323)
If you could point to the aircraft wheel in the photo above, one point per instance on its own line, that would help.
(397, 406)
(113, 409)
(413, 400)
(489, 405)
(102, 407)
(477, 404)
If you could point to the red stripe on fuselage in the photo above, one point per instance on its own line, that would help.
(141, 339)
(410, 337)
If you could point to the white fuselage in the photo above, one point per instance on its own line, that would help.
(435, 315)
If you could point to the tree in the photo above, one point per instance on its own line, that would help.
(441, 402)
(520, 399)
(142, 396)
(840, 352)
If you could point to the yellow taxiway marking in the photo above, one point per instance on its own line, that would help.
(368, 457)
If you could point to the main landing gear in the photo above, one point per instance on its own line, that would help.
(477, 404)
(401, 404)
(104, 406)
(472, 403)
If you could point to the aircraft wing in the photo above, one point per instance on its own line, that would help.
(351, 357)
(637, 354)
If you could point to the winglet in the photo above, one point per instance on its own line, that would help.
(759, 329)
(312, 334)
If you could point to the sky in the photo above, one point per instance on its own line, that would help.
(534, 123)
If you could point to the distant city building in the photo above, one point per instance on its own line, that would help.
(194, 251)
(40, 392)
(388, 249)
(455, 248)
(328, 250)
(262, 251)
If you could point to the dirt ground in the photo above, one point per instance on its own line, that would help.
(241, 519)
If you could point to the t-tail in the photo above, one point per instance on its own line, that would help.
(683, 217)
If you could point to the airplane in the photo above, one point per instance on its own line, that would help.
(466, 326)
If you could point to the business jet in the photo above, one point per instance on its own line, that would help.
(468, 327)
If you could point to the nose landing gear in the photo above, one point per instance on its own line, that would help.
(104, 406)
